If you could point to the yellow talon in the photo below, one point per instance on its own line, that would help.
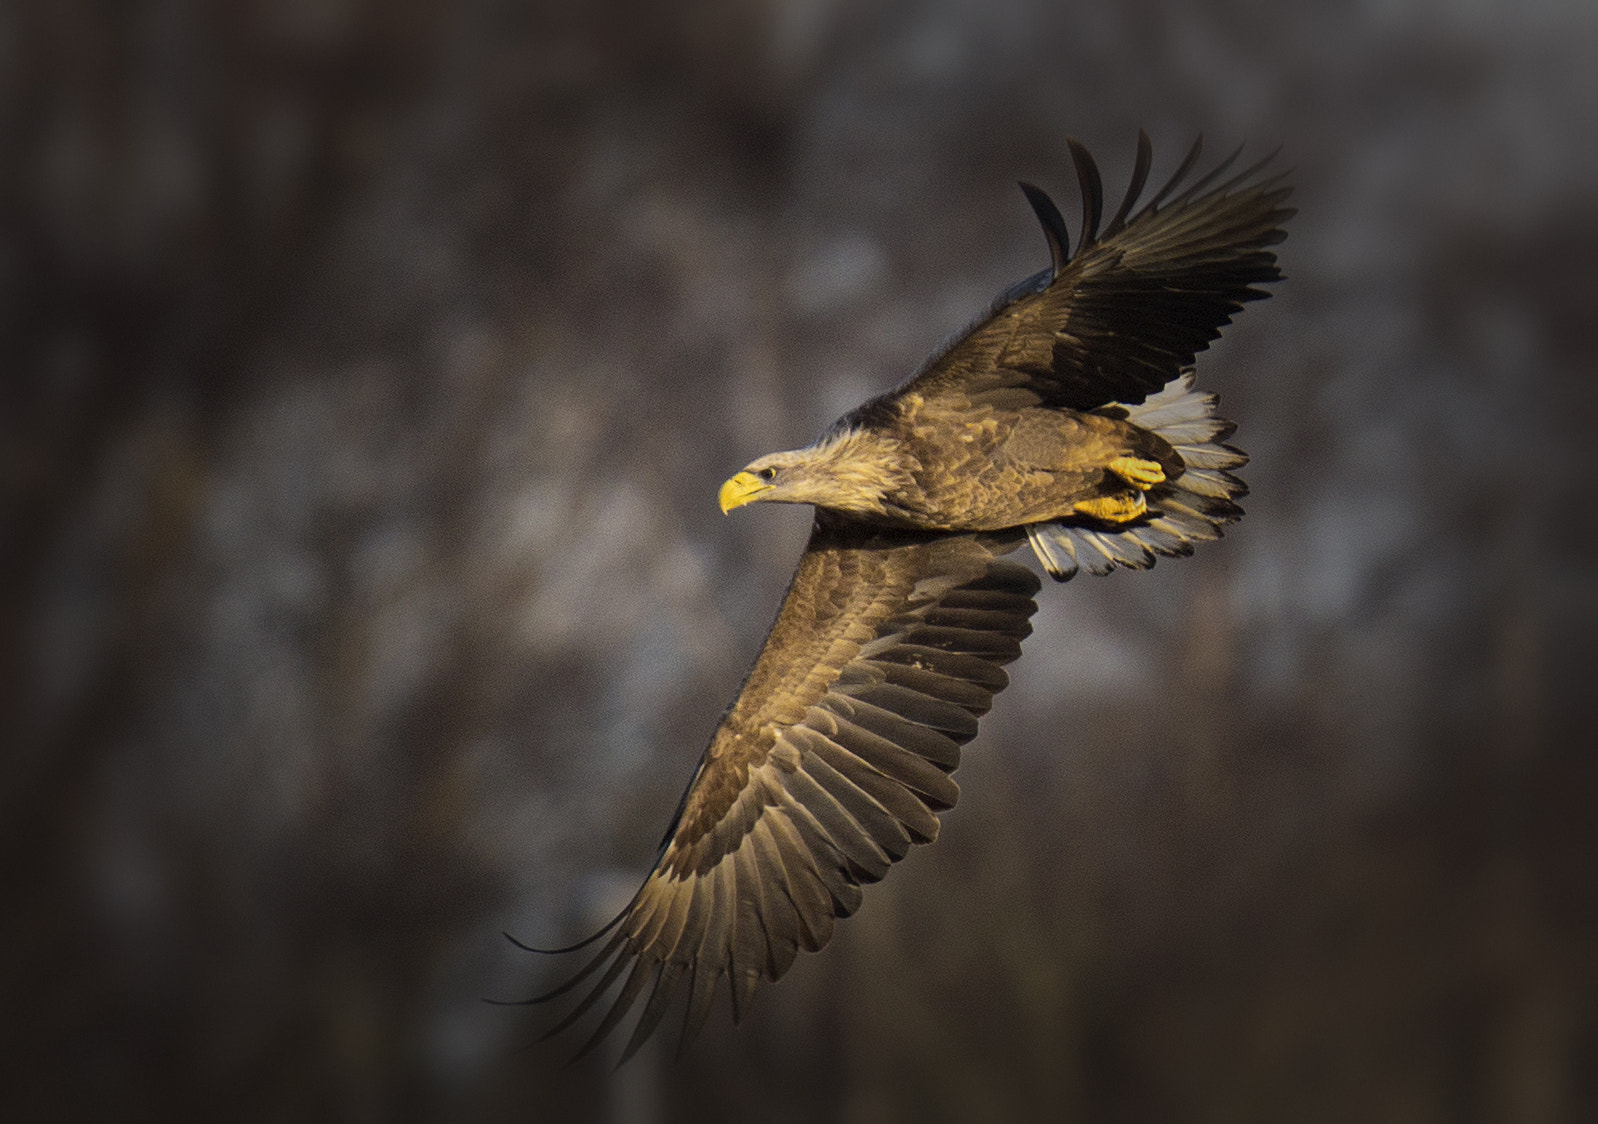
(1114, 509)
(1137, 472)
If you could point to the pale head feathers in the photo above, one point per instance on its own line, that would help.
(850, 470)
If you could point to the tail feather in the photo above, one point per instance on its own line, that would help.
(1190, 508)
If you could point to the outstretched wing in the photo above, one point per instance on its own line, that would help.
(832, 761)
(1122, 317)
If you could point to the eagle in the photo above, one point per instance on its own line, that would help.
(1065, 418)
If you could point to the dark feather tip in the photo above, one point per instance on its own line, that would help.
(1088, 179)
(584, 943)
(1181, 172)
(1140, 175)
(1053, 225)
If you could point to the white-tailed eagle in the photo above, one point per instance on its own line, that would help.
(1066, 418)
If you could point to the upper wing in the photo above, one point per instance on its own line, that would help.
(828, 766)
(1121, 318)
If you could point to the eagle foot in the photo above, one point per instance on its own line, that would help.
(1136, 471)
(1114, 509)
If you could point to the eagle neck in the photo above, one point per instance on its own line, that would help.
(868, 471)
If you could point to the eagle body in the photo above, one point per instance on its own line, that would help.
(1067, 419)
(955, 466)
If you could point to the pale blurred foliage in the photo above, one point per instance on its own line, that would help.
(369, 373)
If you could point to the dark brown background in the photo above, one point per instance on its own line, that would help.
(369, 369)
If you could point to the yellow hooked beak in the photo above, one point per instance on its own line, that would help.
(741, 489)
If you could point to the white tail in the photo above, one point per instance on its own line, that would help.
(1189, 509)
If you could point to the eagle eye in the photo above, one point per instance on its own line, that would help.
(768, 473)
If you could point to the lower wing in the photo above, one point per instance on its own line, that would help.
(832, 761)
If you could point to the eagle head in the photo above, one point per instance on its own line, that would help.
(849, 470)
(774, 478)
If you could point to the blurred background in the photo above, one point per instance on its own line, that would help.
(367, 371)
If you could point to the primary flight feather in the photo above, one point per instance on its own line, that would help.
(1065, 418)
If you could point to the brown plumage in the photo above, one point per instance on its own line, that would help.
(1066, 418)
